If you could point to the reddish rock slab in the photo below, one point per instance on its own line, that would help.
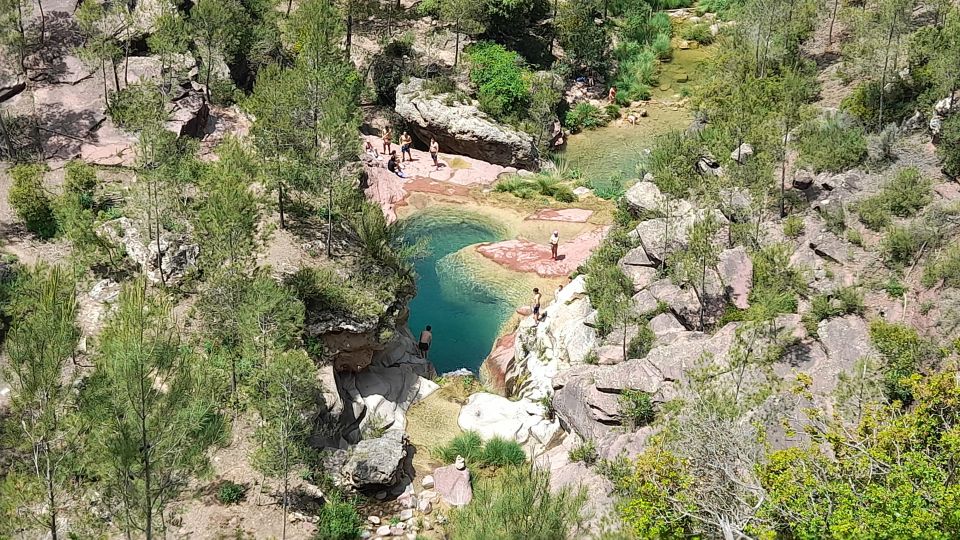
(386, 189)
(425, 185)
(454, 169)
(453, 485)
(568, 215)
(528, 257)
(494, 368)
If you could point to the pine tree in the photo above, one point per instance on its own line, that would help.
(42, 339)
(149, 410)
(291, 392)
(217, 28)
(466, 16)
(693, 265)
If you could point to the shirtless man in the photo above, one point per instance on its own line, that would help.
(554, 243)
(536, 305)
(426, 337)
(434, 150)
(405, 142)
(387, 139)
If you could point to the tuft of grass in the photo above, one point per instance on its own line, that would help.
(499, 452)
(904, 195)
(636, 408)
(843, 301)
(231, 492)
(904, 353)
(338, 520)
(793, 226)
(585, 453)
(946, 267)
(468, 444)
(832, 144)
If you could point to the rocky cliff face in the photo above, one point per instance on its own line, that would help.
(462, 129)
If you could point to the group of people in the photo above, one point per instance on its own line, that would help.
(395, 162)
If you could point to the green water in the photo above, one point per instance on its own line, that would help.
(466, 315)
(611, 152)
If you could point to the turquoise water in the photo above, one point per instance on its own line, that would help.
(466, 317)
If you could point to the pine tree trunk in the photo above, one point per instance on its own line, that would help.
(883, 75)
(43, 23)
(456, 51)
(6, 138)
(283, 222)
(145, 449)
(330, 219)
(783, 171)
(833, 19)
(51, 491)
(349, 36)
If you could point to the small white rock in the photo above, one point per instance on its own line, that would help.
(425, 507)
(427, 482)
(406, 514)
(383, 530)
(374, 519)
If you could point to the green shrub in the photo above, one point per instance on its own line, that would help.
(672, 161)
(661, 47)
(137, 106)
(949, 147)
(585, 453)
(904, 352)
(864, 102)
(467, 444)
(563, 193)
(641, 344)
(541, 185)
(500, 78)
(901, 244)
(773, 276)
(699, 32)
(946, 267)
(612, 111)
(230, 492)
(636, 408)
(517, 503)
(322, 289)
(388, 68)
(843, 301)
(30, 201)
(584, 116)
(831, 144)
(854, 237)
(874, 212)
(80, 178)
(793, 226)
(894, 287)
(834, 219)
(338, 520)
(499, 452)
(636, 72)
(907, 192)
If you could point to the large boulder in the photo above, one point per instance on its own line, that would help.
(522, 421)
(736, 273)
(377, 463)
(167, 260)
(11, 83)
(463, 129)
(189, 115)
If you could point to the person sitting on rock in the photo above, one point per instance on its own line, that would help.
(370, 150)
(426, 337)
(393, 165)
(405, 142)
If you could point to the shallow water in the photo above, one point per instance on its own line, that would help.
(615, 151)
(466, 314)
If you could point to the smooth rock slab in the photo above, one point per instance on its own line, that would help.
(453, 485)
(568, 215)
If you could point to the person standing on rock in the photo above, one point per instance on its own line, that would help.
(536, 305)
(405, 142)
(434, 152)
(387, 140)
(612, 96)
(554, 244)
(426, 337)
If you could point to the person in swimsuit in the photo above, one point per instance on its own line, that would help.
(434, 151)
(393, 165)
(536, 305)
(554, 243)
(612, 96)
(426, 337)
(387, 138)
(405, 142)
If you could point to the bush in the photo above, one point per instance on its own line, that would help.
(517, 503)
(468, 444)
(672, 161)
(584, 116)
(699, 32)
(949, 147)
(793, 226)
(864, 102)
(387, 70)
(322, 289)
(80, 178)
(831, 144)
(30, 201)
(636, 72)
(907, 192)
(338, 520)
(641, 344)
(585, 453)
(946, 268)
(542, 185)
(500, 78)
(844, 301)
(854, 237)
(874, 212)
(137, 106)
(636, 408)
(612, 111)
(230, 492)
(499, 452)
(904, 352)
(901, 244)
(661, 47)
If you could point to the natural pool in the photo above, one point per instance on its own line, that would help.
(465, 312)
